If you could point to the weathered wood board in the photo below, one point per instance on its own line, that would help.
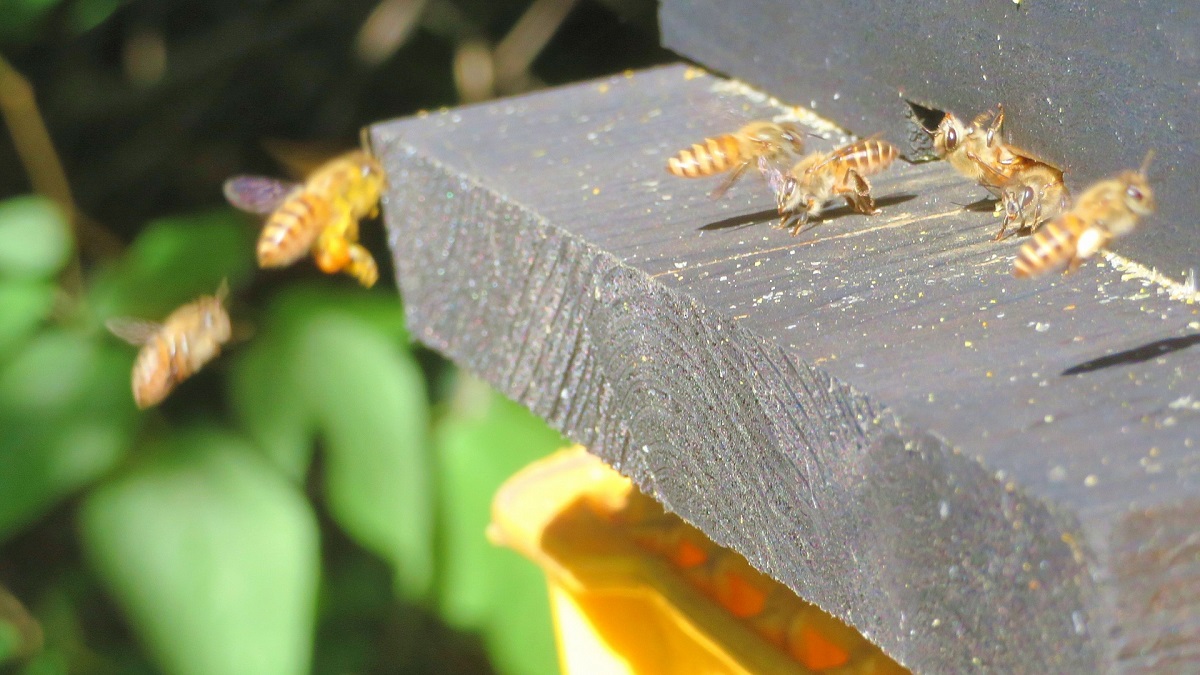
(975, 471)
(1089, 85)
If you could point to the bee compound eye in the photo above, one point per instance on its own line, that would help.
(951, 138)
(1134, 193)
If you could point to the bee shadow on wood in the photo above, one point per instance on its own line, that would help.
(985, 205)
(1151, 350)
(738, 221)
(882, 204)
(773, 215)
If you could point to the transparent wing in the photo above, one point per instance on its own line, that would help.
(133, 331)
(257, 194)
(729, 181)
(774, 177)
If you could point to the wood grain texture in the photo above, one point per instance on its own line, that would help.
(977, 472)
(1089, 85)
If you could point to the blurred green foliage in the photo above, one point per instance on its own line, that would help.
(205, 522)
(315, 500)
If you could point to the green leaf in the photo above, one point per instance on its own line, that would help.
(484, 439)
(36, 236)
(383, 312)
(174, 260)
(24, 306)
(267, 378)
(10, 641)
(335, 362)
(87, 14)
(67, 417)
(212, 556)
(21, 18)
(369, 400)
(48, 375)
(269, 401)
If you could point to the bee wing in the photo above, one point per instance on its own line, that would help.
(729, 181)
(995, 178)
(257, 194)
(772, 174)
(133, 331)
(844, 150)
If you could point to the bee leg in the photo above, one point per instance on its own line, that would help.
(1011, 210)
(859, 194)
(792, 220)
(812, 208)
(331, 252)
(993, 132)
(362, 266)
(1035, 220)
(1072, 265)
(800, 224)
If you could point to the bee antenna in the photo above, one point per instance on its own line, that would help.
(1146, 162)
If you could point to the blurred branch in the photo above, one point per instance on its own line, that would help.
(516, 52)
(481, 72)
(36, 150)
(387, 29)
(31, 139)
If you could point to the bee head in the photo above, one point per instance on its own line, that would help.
(215, 320)
(948, 135)
(793, 136)
(1138, 196)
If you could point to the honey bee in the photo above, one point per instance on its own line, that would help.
(819, 177)
(1106, 210)
(172, 351)
(1031, 193)
(320, 215)
(759, 140)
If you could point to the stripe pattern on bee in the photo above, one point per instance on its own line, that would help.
(802, 192)
(175, 349)
(735, 152)
(1108, 209)
(320, 216)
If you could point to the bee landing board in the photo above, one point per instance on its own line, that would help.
(1087, 86)
(973, 470)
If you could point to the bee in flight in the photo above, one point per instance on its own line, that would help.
(1030, 191)
(802, 192)
(320, 215)
(1106, 210)
(173, 350)
(734, 153)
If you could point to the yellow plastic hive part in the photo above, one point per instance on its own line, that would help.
(636, 590)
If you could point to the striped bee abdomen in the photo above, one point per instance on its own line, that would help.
(291, 230)
(713, 156)
(1050, 248)
(868, 156)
